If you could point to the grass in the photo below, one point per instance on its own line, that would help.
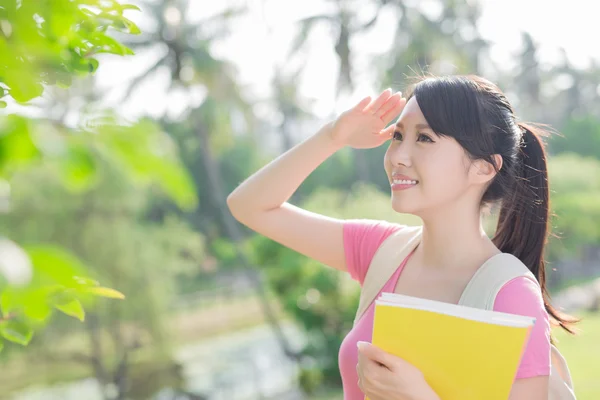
(328, 395)
(583, 356)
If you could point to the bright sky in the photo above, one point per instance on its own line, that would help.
(261, 39)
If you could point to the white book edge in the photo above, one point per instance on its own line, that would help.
(474, 314)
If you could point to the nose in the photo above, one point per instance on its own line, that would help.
(400, 154)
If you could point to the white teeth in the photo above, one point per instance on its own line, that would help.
(404, 182)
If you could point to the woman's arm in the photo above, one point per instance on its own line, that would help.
(535, 388)
(260, 202)
(522, 296)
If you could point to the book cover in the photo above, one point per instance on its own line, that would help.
(464, 353)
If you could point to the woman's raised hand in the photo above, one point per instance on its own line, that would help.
(363, 126)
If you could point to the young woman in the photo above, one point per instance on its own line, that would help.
(455, 148)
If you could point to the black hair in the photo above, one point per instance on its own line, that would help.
(476, 113)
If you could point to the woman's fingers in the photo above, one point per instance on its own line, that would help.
(388, 105)
(379, 101)
(394, 110)
(363, 103)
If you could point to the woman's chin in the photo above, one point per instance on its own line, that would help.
(403, 207)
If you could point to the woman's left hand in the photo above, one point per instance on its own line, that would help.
(383, 376)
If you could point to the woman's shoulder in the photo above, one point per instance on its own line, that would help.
(521, 295)
(362, 238)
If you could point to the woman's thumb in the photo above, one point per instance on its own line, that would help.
(388, 132)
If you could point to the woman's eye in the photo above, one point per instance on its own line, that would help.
(427, 138)
(422, 137)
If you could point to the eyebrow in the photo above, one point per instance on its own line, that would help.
(418, 126)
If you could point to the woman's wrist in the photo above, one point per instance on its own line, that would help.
(425, 392)
(325, 134)
(430, 395)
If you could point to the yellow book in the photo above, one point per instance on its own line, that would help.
(464, 353)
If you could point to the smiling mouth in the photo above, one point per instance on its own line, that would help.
(404, 182)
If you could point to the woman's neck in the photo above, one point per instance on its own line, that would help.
(454, 241)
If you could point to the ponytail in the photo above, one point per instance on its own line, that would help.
(524, 215)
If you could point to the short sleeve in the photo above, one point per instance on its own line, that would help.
(523, 296)
(362, 237)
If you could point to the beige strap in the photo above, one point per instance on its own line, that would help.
(394, 249)
(481, 292)
(482, 289)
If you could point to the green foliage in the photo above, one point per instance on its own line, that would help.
(580, 135)
(105, 227)
(51, 42)
(575, 200)
(55, 284)
(583, 354)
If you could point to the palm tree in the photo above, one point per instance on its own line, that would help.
(287, 100)
(449, 43)
(344, 23)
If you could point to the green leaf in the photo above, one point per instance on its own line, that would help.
(72, 308)
(11, 300)
(3, 104)
(23, 85)
(109, 45)
(83, 281)
(16, 143)
(34, 303)
(130, 7)
(1, 344)
(56, 264)
(16, 331)
(131, 26)
(93, 65)
(38, 311)
(65, 301)
(104, 292)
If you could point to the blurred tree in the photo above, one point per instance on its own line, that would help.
(46, 44)
(572, 91)
(209, 126)
(443, 42)
(528, 80)
(345, 23)
(575, 201)
(580, 134)
(288, 102)
(105, 228)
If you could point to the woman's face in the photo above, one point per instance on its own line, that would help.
(438, 164)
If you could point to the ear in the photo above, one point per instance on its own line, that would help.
(483, 171)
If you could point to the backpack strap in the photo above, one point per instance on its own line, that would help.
(385, 262)
(485, 284)
(481, 292)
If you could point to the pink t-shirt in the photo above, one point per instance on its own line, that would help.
(519, 296)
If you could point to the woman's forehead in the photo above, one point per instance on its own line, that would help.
(411, 114)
